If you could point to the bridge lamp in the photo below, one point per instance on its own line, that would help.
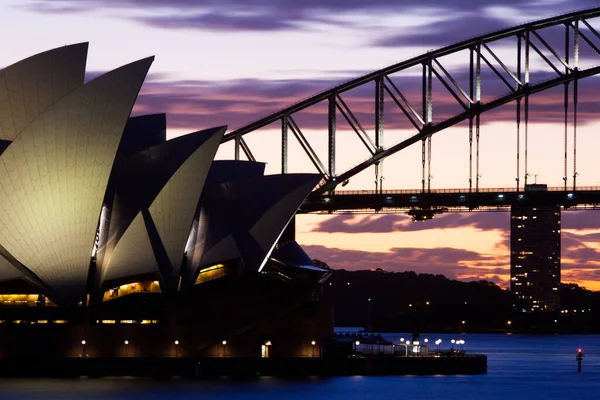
(401, 340)
(426, 340)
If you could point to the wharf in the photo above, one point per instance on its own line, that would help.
(243, 367)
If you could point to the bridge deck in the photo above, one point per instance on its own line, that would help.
(443, 200)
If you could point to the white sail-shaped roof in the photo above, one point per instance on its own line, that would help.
(30, 86)
(174, 208)
(133, 254)
(53, 178)
(8, 271)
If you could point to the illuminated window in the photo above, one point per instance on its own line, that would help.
(212, 272)
(108, 321)
(127, 321)
(130, 288)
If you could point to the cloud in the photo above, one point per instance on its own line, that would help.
(403, 223)
(194, 104)
(271, 15)
(450, 262)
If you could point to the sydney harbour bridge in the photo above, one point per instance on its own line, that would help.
(525, 60)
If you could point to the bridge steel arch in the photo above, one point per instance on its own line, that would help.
(566, 70)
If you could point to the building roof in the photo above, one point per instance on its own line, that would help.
(90, 196)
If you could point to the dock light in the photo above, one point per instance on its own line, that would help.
(313, 342)
(508, 322)
(224, 343)
(126, 348)
(313, 348)
(83, 342)
(426, 340)
(408, 342)
(176, 348)
(268, 343)
(126, 342)
(453, 341)
(357, 343)
(401, 340)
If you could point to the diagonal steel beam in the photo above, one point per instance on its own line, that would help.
(498, 74)
(355, 125)
(246, 150)
(454, 82)
(449, 89)
(406, 102)
(401, 107)
(504, 67)
(538, 51)
(466, 44)
(307, 147)
(554, 53)
(525, 91)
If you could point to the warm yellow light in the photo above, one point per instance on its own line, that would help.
(224, 342)
(464, 322)
(126, 342)
(83, 342)
(268, 343)
(509, 322)
(109, 321)
(176, 343)
(313, 342)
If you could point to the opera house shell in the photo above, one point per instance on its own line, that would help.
(111, 234)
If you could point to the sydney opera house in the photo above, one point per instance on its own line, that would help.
(117, 242)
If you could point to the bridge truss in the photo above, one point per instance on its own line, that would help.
(561, 57)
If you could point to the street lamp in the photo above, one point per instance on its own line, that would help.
(224, 343)
(176, 348)
(126, 347)
(313, 343)
(83, 348)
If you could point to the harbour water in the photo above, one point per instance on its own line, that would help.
(519, 367)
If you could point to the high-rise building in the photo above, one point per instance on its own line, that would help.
(535, 254)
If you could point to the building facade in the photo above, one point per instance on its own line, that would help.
(115, 241)
(535, 255)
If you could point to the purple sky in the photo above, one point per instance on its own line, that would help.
(231, 61)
